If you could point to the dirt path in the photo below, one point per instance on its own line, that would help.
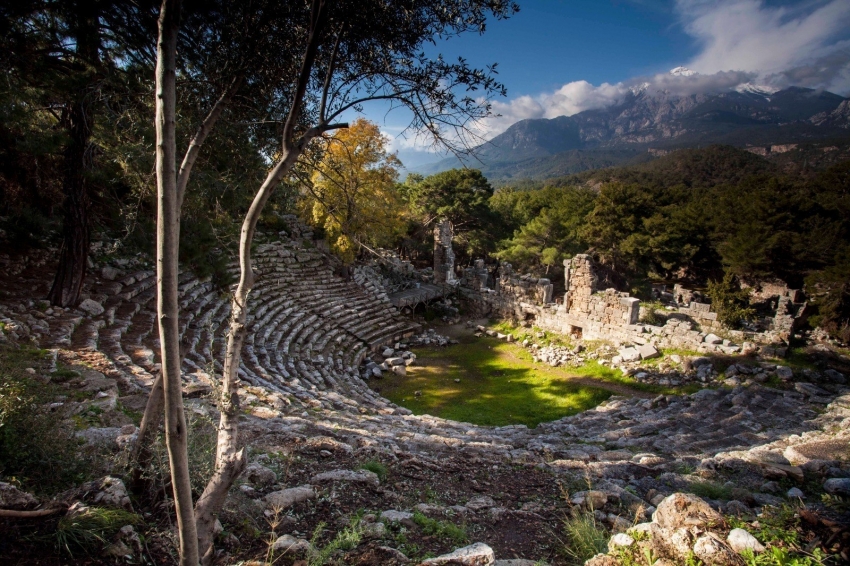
(462, 332)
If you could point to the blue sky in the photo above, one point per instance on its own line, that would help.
(559, 57)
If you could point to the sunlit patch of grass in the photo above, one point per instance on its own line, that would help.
(497, 385)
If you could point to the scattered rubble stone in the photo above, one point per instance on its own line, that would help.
(478, 554)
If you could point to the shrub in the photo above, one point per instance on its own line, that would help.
(202, 444)
(37, 447)
(730, 302)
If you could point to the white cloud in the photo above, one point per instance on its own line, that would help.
(570, 99)
(750, 36)
(740, 42)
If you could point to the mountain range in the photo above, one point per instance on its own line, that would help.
(647, 123)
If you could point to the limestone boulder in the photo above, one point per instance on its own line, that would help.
(685, 510)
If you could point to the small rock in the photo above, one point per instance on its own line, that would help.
(288, 544)
(837, 486)
(479, 503)
(259, 475)
(91, 307)
(13, 498)
(362, 476)
(740, 540)
(394, 516)
(795, 492)
(784, 373)
(618, 540)
(286, 498)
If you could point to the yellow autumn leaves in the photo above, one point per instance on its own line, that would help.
(352, 193)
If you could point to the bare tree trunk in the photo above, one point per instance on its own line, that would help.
(141, 456)
(79, 120)
(167, 246)
(230, 461)
(73, 255)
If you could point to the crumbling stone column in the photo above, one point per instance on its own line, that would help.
(444, 256)
(580, 281)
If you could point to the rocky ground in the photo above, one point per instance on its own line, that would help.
(339, 476)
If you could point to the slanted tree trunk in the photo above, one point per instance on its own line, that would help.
(79, 121)
(167, 247)
(141, 455)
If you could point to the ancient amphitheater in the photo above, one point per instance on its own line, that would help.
(309, 331)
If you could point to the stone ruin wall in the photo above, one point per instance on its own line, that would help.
(612, 315)
(524, 288)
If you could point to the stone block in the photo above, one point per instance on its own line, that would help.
(647, 352)
(629, 354)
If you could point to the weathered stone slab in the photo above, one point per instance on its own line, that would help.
(648, 352)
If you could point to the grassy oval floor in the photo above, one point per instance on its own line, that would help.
(487, 382)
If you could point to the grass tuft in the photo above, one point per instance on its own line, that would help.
(89, 530)
(376, 468)
(345, 539)
(445, 530)
(585, 537)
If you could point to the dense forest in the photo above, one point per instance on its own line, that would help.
(693, 216)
